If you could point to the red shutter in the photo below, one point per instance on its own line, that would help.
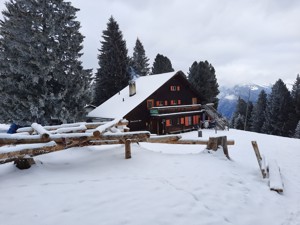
(186, 121)
(179, 102)
(168, 123)
(178, 88)
(182, 120)
(157, 103)
(166, 102)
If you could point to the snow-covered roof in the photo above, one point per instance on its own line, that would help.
(121, 104)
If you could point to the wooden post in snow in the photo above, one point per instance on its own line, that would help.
(260, 160)
(214, 142)
(127, 149)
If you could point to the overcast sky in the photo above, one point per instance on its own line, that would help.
(247, 41)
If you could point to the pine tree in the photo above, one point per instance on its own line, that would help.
(41, 77)
(278, 111)
(258, 114)
(297, 131)
(161, 64)
(113, 74)
(296, 96)
(139, 60)
(239, 115)
(202, 76)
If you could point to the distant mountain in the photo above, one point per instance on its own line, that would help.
(228, 96)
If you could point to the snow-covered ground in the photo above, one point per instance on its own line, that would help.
(161, 184)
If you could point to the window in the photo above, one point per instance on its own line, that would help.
(173, 88)
(188, 121)
(150, 103)
(159, 103)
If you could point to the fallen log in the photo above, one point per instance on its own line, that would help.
(105, 127)
(164, 139)
(13, 139)
(80, 128)
(88, 125)
(138, 135)
(15, 152)
(40, 130)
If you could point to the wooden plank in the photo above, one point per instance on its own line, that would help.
(259, 159)
(275, 181)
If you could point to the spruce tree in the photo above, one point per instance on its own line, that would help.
(296, 96)
(161, 64)
(202, 76)
(297, 131)
(278, 111)
(139, 60)
(258, 113)
(239, 115)
(113, 74)
(41, 77)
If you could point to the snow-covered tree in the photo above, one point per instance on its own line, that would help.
(297, 131)
(41, 77)
(203, 77)
(239, 122)
(139, 60)
(161, 64)
(258, 113)
(296, 96)
(279, 111)
(113, 74)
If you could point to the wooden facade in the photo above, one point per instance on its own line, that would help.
(172, 108)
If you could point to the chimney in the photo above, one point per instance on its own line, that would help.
(132, 88)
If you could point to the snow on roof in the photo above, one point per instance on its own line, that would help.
(121, 104)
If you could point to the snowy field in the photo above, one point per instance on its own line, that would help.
(162, 184)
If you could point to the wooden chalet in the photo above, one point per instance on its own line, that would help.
(162, 104)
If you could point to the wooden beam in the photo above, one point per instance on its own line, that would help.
(127, 149)
(260, 160)
(139, 136)
(275, 181)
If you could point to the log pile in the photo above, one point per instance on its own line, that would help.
(37, 139)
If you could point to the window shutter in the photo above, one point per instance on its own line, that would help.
(178, 88)
(179, 102)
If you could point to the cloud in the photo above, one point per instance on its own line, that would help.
(255, 41)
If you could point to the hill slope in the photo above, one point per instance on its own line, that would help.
(161, 184)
